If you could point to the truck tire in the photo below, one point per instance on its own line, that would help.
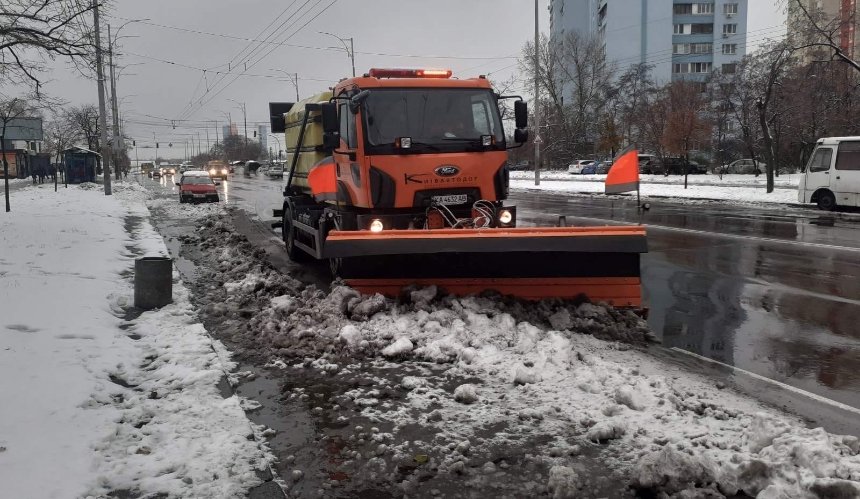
(295, 253)
(826, 201)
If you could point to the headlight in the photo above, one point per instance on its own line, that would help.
(376, 225)
(212, 172)
(505, 216)
(224, 171)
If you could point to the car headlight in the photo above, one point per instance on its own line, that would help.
(505, 216)
(223, 171)
(212, 172)
(376, 225)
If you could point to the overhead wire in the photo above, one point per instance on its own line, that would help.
(282, 28)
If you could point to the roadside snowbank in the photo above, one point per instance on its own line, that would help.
(571, 379)
(693, 193)
(744, 190)
(783, 181)
(95, 399)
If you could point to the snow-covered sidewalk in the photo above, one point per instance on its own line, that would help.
(731, 188)
(94, 399)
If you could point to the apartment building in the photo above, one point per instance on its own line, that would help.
(681, 39)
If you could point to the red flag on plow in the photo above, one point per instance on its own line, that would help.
(624, 174)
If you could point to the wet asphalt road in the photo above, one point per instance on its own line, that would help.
(771, 291)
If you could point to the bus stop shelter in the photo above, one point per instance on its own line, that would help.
(80, 165)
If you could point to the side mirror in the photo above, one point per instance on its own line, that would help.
(521, 114)
(331, 141)
(330, 124)
(177, 183)
(217, 183)
(521, 135)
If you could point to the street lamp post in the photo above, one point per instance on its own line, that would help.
(294, 79)
(241, 105)
(350, 50)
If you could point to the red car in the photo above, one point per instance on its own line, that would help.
(197, 186)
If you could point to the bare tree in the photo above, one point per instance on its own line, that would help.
(574, 78)
(60, 134)
(687, 123)
(772, 65)
(35, 31)
(85, 119)
(11, 110)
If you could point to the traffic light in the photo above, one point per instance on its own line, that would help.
(156, 145)
(255, 133)
(133, 143)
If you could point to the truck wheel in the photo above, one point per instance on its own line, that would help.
(826, 201)
(295, 253)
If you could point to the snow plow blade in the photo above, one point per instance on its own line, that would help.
(532, 263)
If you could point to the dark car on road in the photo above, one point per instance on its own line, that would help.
(196, 187)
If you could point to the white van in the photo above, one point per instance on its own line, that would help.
(832, 176)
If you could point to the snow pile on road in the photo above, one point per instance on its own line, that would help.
(488, 373)
(98, 400)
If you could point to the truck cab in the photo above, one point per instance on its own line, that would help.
(831, 177)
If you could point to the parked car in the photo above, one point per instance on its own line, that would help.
(603, 167)
(576, 167)
(671, 166)
(743, 166)
(196, 187)
(519, 167)
(589, 169)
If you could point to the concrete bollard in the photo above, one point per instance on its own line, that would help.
(153, 282)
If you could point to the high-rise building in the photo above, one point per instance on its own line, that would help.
(229, 130)
(837, 16)
(262, 136)
(679, 39)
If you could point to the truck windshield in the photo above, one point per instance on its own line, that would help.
(440, 119)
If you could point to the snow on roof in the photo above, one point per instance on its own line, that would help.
(835, 140)
(80, 149)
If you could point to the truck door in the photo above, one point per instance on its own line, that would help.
(817, 174)
(846, 172)
(349, 171)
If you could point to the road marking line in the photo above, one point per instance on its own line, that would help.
(725, 234)
(799, 391)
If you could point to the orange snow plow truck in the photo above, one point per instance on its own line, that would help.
(398, 177)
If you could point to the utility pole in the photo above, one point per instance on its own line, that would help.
(537, 98)
(105, 148)
(114, 107)
(245, 117)
(351, 56)
(296, 83)
(208, 149)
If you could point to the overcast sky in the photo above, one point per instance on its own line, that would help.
(165, 56)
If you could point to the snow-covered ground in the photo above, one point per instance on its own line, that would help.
(506, 372)
(93, 400)
(731, 188)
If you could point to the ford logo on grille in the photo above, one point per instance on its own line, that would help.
(447, 171)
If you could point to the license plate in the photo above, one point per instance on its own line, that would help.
(451, 199)
(200, 195)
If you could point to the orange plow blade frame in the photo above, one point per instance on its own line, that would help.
(532, 263)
